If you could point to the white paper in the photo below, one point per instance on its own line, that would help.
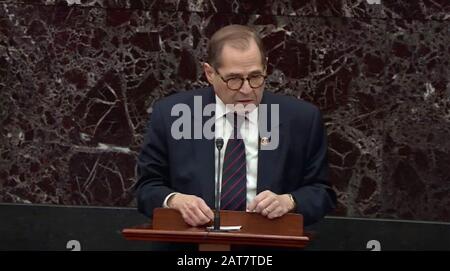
(226, 228)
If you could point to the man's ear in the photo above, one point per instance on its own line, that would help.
(209, 72)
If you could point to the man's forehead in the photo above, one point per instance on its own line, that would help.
(242, 68)
(241, 61)
(242, 72)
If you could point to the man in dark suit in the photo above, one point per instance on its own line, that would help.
(274, 162)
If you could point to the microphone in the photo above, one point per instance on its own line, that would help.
(219, 145)
(216, 227)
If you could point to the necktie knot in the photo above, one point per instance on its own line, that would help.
(236, 120)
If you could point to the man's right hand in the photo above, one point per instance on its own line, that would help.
(193, 209)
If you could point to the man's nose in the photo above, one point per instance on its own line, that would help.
(246, 88)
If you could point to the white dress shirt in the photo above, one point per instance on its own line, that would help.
(250, 134)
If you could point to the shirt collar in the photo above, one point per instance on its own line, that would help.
(222, 109)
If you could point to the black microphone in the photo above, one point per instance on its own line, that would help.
(219, 145)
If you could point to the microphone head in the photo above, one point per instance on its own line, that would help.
(219, 143)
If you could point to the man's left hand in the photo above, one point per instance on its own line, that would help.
(271, 205)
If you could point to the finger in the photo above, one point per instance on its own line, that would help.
(190, 210)
(276, 213)
(261, 196)
(206, 211)
(264, 198)
(251, 207)
(199, 217)
(187, 218)
(273, 205)
(263, 204)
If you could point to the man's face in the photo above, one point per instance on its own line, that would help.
(237, 63)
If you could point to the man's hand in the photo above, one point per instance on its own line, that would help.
(271, 205)
(193, 209)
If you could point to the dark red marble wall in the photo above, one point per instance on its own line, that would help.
(78, 79)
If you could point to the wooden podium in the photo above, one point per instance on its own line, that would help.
(257, 230)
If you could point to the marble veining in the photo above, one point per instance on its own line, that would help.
(78, 80)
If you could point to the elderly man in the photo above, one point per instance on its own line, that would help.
(179, 172)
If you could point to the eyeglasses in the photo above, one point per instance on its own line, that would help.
(235, 83)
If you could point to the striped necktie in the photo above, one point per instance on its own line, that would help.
(234, 174)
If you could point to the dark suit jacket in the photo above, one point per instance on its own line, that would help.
(298, 166)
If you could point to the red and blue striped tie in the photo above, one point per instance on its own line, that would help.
(234, 174)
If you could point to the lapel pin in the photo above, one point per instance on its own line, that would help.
(264, 141)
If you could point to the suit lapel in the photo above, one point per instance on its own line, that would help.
(267, 159)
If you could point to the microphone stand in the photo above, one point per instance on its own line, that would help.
(216, 227)
(219, 145)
